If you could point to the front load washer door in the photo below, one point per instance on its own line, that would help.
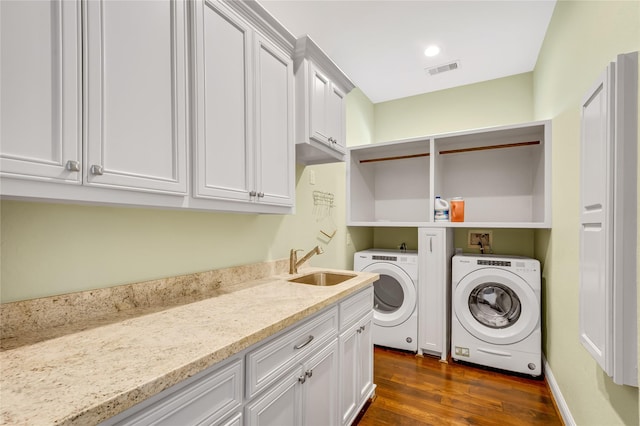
(496, 306)
(394, 294)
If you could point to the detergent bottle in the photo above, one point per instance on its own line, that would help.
(441, 208)
(457, 209)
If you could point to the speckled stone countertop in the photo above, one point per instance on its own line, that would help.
(90, 370)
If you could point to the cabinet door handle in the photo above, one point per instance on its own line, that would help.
(308, 373)
(302, 378)
(431, 245)
(260, 194)
(363, 327)
(253, 194)
(73, 166)
(302, 345)
(96, 170)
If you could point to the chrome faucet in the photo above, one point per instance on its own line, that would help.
(293, 258)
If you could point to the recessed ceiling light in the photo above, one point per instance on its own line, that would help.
(432, 50)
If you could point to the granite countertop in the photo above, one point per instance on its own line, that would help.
(87, 376)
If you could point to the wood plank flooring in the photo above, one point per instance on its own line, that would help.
(418, 391)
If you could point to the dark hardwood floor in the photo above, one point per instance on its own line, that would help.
(415, 390)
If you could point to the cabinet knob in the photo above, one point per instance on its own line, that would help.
(96, 170)
(73, 166)
(302, 378)
(308, 373)
(260, 194)
(252, 194)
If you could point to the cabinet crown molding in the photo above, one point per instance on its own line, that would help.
(306, 48)
(262, 20)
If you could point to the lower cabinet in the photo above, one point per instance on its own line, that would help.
(356, 368)
(307, 395)
(318, 372)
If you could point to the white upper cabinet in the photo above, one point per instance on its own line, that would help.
(222, 64)
(135, 95)
(321, 88)
(274, 125)
(244, 110)
(40, 110)
(502, 173)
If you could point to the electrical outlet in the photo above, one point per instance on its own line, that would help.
(474, 238)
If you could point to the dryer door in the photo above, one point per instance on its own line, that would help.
(496, 306)
(394, 294)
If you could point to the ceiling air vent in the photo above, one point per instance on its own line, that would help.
(443, 68)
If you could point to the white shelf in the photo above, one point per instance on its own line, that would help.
(503, 173)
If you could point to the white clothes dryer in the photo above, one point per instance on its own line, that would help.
(395, 300)
(495, 315)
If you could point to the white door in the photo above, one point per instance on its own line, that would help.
(222, 66)
(496, 306)
(433, 305)
(320, 399)
(394, 294)
(595, 221)
(336, 117)
(274, 125)
(319, 99)
(40, 81)
(135, 95)
(349, 384)
(365, 358)
(279, 406)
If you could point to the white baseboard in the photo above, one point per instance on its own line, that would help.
(557, 395)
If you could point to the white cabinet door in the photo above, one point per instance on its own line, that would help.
(349, 355)
(274, 125)
(336, 113)
(40, 117)
(608, 220)
(319, 92)
(320, 399)
(135, 95)
(356, 368)
(434, 296)
(365, 359)
(595, 232)
(279, 406)
(222, 64)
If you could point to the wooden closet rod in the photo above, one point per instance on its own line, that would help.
(483, 148)
(454, 151)
(400, 157)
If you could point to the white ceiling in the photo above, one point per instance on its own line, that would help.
(379, 44)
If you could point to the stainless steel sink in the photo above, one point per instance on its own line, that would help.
(322, 278)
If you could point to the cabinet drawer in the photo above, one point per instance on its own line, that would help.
(204, 399)
(269, 362)
(355, 307)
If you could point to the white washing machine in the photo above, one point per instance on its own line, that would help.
(495, 315)
(395, 300)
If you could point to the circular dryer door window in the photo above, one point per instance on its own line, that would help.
(394, 294)
(496, 306)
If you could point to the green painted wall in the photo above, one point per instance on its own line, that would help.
(491, 103)
(50, 249)
(582, 39)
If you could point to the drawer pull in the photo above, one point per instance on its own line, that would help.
(302, 345)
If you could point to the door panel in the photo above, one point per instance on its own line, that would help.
(135, 89)
(595, 223)
(224, 155)
(40, 114)
(274, 129)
